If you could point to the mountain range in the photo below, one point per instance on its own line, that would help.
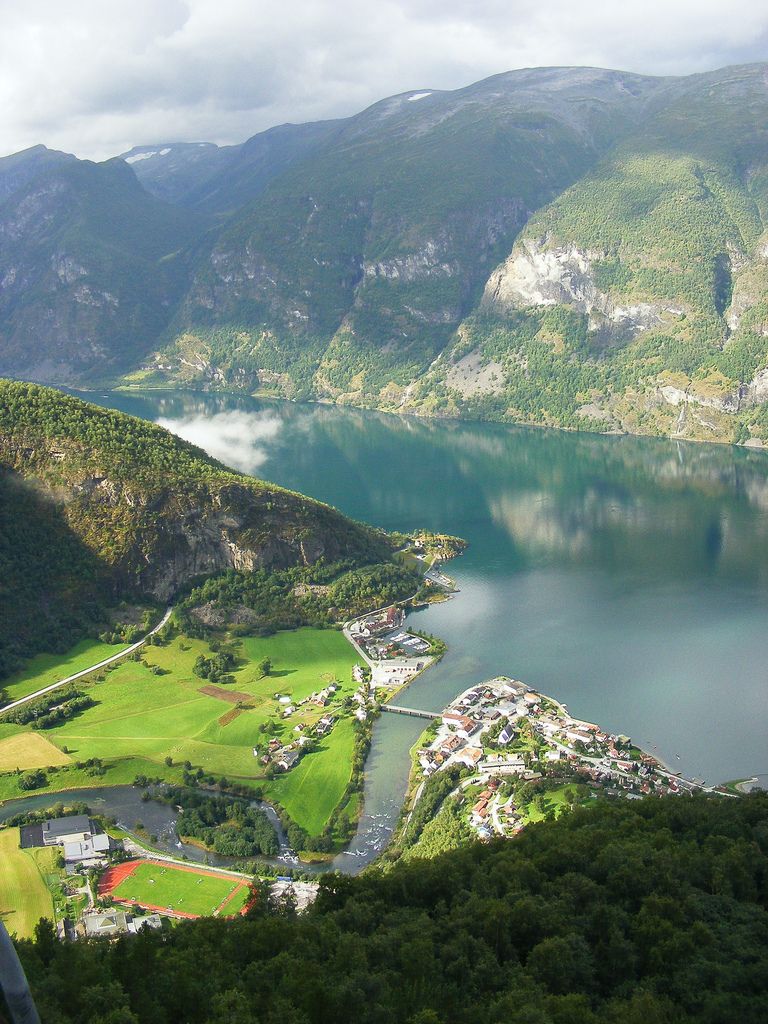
(562, 246)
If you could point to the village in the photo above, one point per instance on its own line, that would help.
(501, 734)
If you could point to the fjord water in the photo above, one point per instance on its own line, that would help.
(626, 576)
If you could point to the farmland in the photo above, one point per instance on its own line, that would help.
(187, 892)
(149, 710)
(44, 669)
(316, 785)
(29, 750)
(24, 894)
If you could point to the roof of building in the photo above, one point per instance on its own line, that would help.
(67, 826)
(106, 924)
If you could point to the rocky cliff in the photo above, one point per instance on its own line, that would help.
(99, 506)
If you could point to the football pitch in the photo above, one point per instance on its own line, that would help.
(187, 892)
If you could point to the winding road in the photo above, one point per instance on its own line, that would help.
(93, 668)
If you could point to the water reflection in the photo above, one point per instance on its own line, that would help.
(236, 437)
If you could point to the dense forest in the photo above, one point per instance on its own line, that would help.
(653, 912)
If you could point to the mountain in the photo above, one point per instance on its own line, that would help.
(352, 270)
(221, 180)
(650, 912)
(91, 267)
(565, 246)
(98, 506)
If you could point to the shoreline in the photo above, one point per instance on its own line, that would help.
(616, 767)
(403, 415)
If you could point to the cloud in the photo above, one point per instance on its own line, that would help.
(96, 78)
(235, 438)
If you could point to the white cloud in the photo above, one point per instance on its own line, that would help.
(238, 439)
(97, 78)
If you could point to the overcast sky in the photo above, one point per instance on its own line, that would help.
(95, 77)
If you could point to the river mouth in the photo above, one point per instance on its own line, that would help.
(627, 577)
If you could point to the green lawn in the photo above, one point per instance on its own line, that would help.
(119, 772)
(44, 669)
(181, 890)
(311, 791)
(554, 798)
(24, 895)
(142, 718)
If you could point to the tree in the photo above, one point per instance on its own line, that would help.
(264, 667)
(33, 780)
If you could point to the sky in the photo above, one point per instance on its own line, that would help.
(96, 77)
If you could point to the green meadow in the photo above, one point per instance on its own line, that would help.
(142, 718)
(24, 893)
(44, 669)
(311, 791)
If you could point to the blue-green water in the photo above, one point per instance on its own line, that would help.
(626, 576)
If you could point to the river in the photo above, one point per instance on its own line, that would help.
(627, 577)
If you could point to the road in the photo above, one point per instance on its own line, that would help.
(93, 668)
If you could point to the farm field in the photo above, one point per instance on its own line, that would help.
(29, 750)
(141, 716)
(44, 669)
(316, 785)
(186, 891)
(24, 895)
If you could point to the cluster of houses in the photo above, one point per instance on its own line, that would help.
(394, 655)
(286, 755)
(382, 637)
(502, 728)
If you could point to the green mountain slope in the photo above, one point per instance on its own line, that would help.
(353, 268)
(91, 266)
(637, 298)
(645, 913)
(569, 246)
(98, 506)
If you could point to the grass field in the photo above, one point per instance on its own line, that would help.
(155, 885)
(29, 750)
(24, 896)
(141, 716)
(315, 786)
(44, 669)
(117, 773)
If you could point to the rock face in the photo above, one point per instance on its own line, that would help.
(168, 537)
(540, 272)
(153, 530)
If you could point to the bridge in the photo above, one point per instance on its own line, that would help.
(413, 712)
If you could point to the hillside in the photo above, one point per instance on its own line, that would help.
(98, 506)
(646, 913)
(91, 266)
(636, 299)
(566, 246)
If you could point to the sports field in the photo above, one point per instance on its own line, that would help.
(44, 669)
(24, 896)
(184, 891)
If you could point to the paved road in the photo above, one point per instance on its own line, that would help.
(93, 668)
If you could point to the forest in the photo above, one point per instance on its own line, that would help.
(653, 912)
